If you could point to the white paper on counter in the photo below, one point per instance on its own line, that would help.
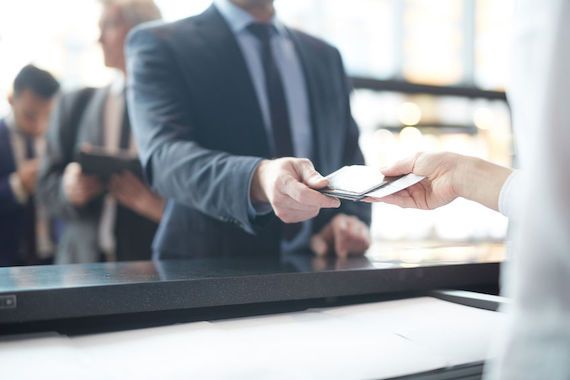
(460, 334)
(48, 356)
(375, 340)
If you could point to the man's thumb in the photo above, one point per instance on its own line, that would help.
(311, 177)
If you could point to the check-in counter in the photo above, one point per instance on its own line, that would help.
(291, 304)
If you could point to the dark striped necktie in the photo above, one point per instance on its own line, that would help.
(278, 109)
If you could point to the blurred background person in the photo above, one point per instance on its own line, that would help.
(105, 220)
(26, 233)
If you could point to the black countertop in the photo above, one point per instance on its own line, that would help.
(43, 293)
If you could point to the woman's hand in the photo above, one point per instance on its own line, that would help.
(448, 176)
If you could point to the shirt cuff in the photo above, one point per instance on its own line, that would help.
(259, 209)
(18, 190)
(507, 194)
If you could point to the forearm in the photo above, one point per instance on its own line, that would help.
(178, 161)
(480, 181)
(152, 208)
(212, 182)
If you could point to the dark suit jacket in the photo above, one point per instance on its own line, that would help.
(200, 133)
(11, 211)
(79, 243)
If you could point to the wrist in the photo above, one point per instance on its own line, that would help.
(465, 176)
(481, 181)
(257, 191)
(152, 208)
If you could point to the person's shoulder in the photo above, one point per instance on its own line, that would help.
(312, 42)
(71, 96)
(163, 31)
(67, 102)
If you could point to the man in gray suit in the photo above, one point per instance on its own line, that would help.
(230, 110)
(115, 220)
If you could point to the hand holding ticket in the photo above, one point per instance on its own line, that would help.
(357, 182)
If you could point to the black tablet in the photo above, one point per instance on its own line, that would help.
(104, 163)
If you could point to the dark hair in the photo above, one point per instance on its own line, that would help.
(38, 81)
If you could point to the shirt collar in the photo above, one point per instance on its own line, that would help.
(238, 19)
(118, 84)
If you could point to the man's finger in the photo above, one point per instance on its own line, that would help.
(289, 215)
(291, 204)
(341, 234)
(359, 238)
(319, 245)
(351, 237)
(310, 176)
(326, 236)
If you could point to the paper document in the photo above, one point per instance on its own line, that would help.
(357, 182)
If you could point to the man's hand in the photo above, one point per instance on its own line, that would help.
(28, 175)
(78, 187)
(288, 184)
(448, 176)
(131, 192)
(345, 235)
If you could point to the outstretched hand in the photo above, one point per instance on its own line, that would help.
(435, 190)
(290, 186)
(447, 176)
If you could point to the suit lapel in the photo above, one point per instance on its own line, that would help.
(7, 160)
(226, 60)
(322, 141)
(92, 121)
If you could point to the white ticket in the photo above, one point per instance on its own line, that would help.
(395, 186)
(357, 182)
(357, 179)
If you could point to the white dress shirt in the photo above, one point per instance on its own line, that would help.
(537, 277)
(112, 124)
(507, 197)
(45, 245)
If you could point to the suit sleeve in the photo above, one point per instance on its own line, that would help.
(8, 201)
(176, 165)
(59, 153)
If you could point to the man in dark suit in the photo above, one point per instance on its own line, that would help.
(115, 220)
(230, 109)
(26, 235)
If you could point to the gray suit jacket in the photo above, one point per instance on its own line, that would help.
(78, 119)
(200, 133)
